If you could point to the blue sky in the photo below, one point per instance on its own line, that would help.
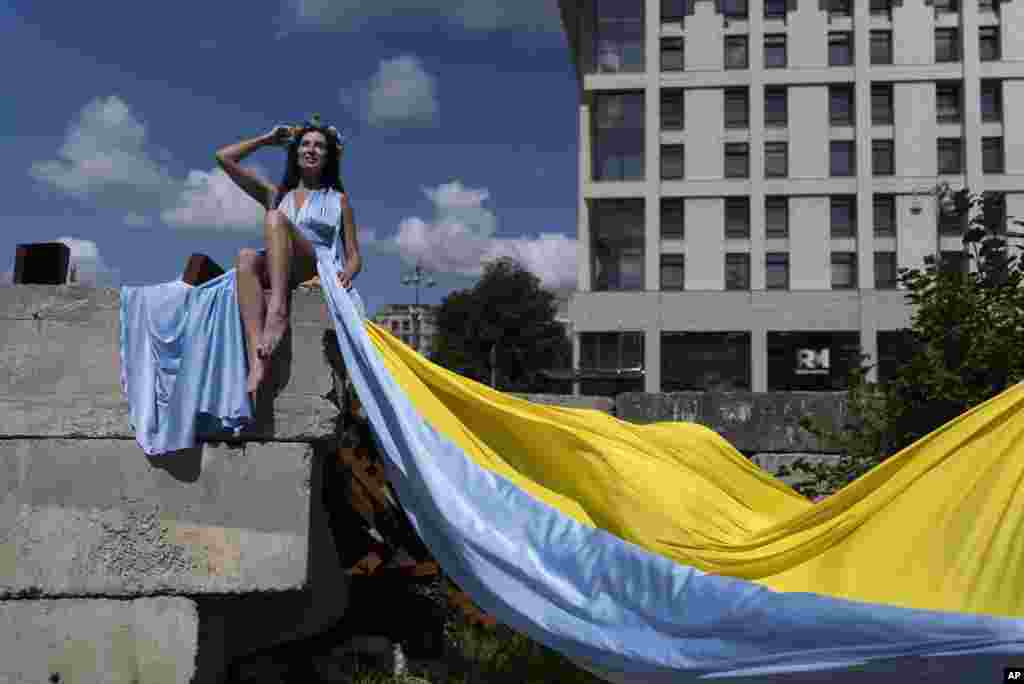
(464, 114)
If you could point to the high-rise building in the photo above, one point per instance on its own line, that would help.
(752, 173)
(400, 321)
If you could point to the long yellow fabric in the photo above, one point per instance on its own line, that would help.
(937, 526)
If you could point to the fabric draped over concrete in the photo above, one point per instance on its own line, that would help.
(658, 553)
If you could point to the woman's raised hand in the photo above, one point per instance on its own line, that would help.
(280, 135)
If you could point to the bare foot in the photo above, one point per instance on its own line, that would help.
(273, 330)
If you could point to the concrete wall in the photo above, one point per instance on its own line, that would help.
(87, 641)
(86, 516)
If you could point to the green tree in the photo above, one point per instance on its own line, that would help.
(508, 311)
(968, 346)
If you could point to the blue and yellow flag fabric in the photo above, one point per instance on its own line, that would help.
(658, 553)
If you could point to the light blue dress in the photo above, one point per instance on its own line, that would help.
(183, 361)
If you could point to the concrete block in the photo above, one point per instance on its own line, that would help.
(606, 404)
(99, 641)
(98, 517)
(60, 368)
(752, 422)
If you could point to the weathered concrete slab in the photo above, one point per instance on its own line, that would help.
(99, 517)
(606, 404)
(752, 422)
(289, 419)
(98, 641)
(60, 368)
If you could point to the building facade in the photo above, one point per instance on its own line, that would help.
(752, 173)
(399, 319)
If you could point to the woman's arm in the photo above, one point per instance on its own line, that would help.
(228, 158)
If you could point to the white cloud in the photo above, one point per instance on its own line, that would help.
(211, 199)
(472, 15)
(461, 238)
(104, 152)
(107, 159)
(88, 265)
(400, 93)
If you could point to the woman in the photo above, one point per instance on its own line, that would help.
(304, 212)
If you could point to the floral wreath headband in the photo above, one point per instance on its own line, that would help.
(314, 122)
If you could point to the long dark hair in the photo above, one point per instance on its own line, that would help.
(331, 175)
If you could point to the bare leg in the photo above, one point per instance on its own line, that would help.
(279, 257)
(251, 304)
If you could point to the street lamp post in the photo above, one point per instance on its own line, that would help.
(417, 278)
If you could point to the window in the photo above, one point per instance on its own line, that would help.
(842, 159)
(776, 160)
(881, 47)
(844, 270)
(811, 361)
(950, 155)
(880, 6)
(618, 245)
(776, 217)
(619, 38)
(991, 100)
(840, 7)
(946, 6)
(406, 326)
(737, 217)
(776, 107)
(947, 44)
(840, 48)
(986, 5)
(843, 216)
(776, 270)
(737, 107)
(947, 102)
(840, 105)
(775, 50)
(611, 351)
(885, 215)
(995, 212)
(673, 10)
(736, 56)
(672, 162)
(737, 271)
(394, 326)
(737, 160)
(774, 9)
(699, 361)
(618, 136)
(885, 270)
(672, 54)
(673, 271)
(882, 163)
(988, 37)
(673, 218)
(951, 223)
(736, 9)
(992, 155)
(954, 262)
(672, 112)
(881, 104)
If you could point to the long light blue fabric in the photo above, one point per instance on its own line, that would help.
(609, 605)
(183, 360)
